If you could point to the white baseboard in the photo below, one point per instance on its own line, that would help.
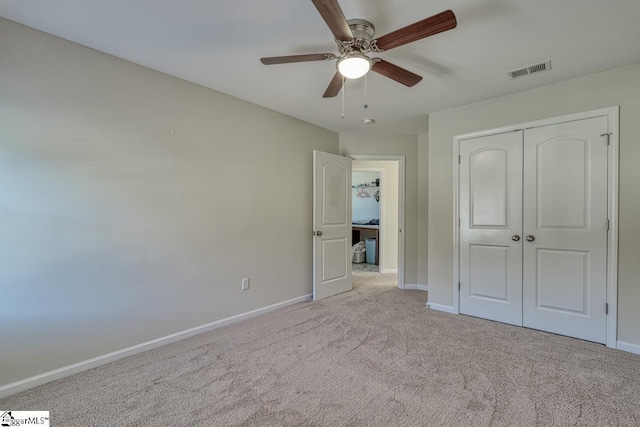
(625, 346)
(416, 287)
(440, 307)
(18, 386)
(390, 270)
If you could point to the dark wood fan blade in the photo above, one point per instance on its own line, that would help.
(334, 86)
(396, 73)
(427, 27)
(332, 14)
(297, 58)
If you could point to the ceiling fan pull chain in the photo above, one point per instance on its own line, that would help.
(344, 89)
(365, 106)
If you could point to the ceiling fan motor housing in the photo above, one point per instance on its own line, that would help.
(363, 32)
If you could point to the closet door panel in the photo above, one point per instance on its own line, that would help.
(490, 215)
(565, 213)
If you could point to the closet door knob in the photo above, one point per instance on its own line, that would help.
(515, 237)
(530, 238)
(319, 233)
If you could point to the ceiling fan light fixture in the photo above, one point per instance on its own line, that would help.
(354, 65)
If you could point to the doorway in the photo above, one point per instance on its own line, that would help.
(378, 217)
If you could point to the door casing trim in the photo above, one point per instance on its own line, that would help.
(613, 115)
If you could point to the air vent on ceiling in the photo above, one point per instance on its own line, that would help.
(525, 71)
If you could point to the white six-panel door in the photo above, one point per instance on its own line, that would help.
(490, 227)
(565, 227)
(533, 227)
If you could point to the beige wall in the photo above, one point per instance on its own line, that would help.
(116, 231)
(616, 87)
(406, 145)
(389, 212)
(423, 208)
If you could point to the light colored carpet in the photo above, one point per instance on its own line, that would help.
(373, 356)
(359, 267)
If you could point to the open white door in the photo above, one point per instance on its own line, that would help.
(331, 225)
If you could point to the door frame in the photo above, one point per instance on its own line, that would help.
(401, 204)
(613, 114)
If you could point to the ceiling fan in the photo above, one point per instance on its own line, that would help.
(355, 39)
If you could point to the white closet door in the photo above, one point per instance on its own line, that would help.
(565, 219)
(490, 227)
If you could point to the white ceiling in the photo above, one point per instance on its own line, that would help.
(218, 43)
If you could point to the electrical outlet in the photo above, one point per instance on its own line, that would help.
(245, 284)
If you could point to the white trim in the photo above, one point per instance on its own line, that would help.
(612, 237)
(401, 204)
(628, 347)
(538, 123)
(456, 226)
(440, 307)
(390, 270)
(613, 114)
(416, 287)
(56, 374)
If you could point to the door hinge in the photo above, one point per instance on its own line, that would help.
(608, 225)
(606, 308)
(458, 285)
(314, 233)
(459, 223)
(608, 135)
(459, 159)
